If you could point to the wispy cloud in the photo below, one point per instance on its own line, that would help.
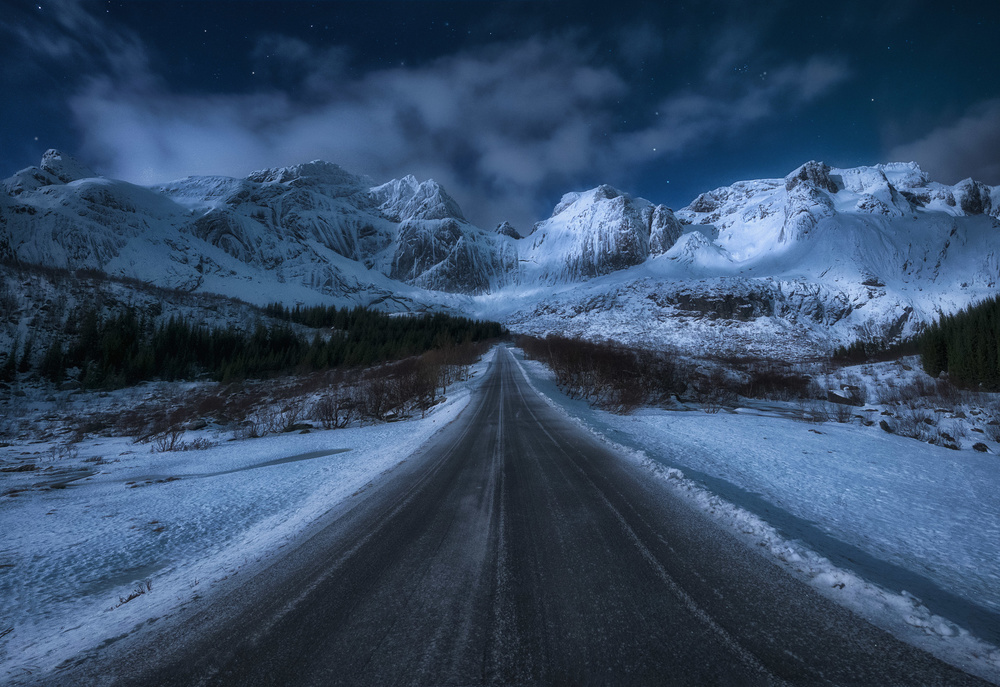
(64, 32)
(967, 146)
(494, 124)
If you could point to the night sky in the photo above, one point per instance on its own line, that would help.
(507, 104)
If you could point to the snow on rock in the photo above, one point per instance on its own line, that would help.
(55, 168)
(974, 197)
(334, 180)
(451, 255)
(506, 229)
(64, 168)
(881, 248)
(815, 173)
(406, 198)
(596, 232)
(842, 254)
(307, 233)
(697, 248)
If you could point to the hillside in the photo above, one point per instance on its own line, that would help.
(791, 266)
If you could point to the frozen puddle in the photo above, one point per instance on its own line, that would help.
(60, 479)
(266, 464)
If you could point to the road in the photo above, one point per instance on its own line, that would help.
(517, 549)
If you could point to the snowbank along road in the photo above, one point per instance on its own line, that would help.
(514, 548)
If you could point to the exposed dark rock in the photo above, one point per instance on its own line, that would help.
(816, 173)
(974, 197)
(848, 396)
(742, 307)
(706, 202)
(917, 198)
(505, 229)
(606, 192)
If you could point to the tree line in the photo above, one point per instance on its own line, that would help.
(966, 345)
(128, 346)
(365, 337)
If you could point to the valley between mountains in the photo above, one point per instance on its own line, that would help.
(217, 468)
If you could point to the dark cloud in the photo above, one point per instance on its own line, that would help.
(968, 146)
(64, 33)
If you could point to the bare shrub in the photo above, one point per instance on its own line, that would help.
(888, 394)
(170, 440)
(840, 412)
(714, 390)
(292, 413)
(918, 388)
(915, 423)
(373, 398)
(613, 377)
(946, 391)
(141, 588)
(993, 431)
(63, 452)
(336, 409)
(812, 412)
(770, 381)
(958, 430)
(269, 418)
(199, 444)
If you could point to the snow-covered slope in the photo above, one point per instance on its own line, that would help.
(787, 266)
(792, 266)
(304, 233)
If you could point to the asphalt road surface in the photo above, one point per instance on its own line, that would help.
(516, 549)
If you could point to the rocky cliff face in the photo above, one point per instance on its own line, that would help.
(597, 232)
(314, 226)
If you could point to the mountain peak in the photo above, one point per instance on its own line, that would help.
(63, 167)
(310, 173)
(507, 229)
(406, 198)
(594, 195)
(815, 173)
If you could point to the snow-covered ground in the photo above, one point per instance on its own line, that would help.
(904, 532)
(83, 537)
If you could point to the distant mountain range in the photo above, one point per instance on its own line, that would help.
(787, 267)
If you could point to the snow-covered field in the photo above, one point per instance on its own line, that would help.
(904, 532)
(165, 528)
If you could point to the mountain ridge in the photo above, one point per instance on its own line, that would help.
(817, 258)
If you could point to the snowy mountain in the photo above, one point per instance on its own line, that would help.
(596, 232)
(305, 233)
(789, 266)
